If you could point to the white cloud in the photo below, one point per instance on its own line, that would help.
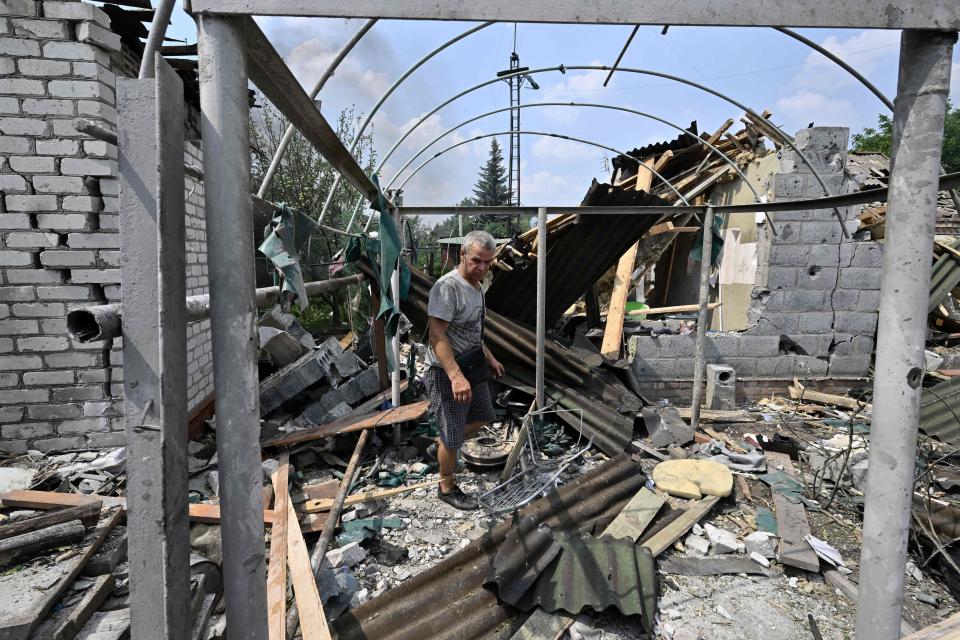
(812, 106)
(547, 188)
(554, 149)
(579, 86)
(865, 51)
(955, 84)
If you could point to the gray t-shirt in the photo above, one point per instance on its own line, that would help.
(457, 301)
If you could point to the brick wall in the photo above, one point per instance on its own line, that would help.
(59, 241)
(814, 306)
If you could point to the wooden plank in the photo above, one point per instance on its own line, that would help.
(712, 566)
(744, 488)
(718, 415)
(543, 626)
(673, 531)
(277, 570)
(312, 506)
(613, 331)
(347, 340)
(675, 309)
(383, 418)
(799, 392)
(792, 525)
(313, 622)
(634, 518)
(88, 605)
(19, 627)
(29, 499)
(318, 491)
(663, 160)
(88, 513)
(32, 542)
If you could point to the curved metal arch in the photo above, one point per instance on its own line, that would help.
(327, 74)
(383, 98)
(679, 128)
(786, 139)
(551, 135)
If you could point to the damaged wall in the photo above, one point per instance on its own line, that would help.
(59, 240)
(813, 308)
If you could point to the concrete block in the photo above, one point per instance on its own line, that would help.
(43, 68)
(810, 366)
(32, 239)
(106, 439)
(697, 544)
(18, 327)
(869, 300)
(16, 259)
(59, 184)
(15, 144)
(18, 8)
(654, 369)
(74, 51)
(78, 394)
(337, 412)
(88, 167)
(19, 47)
(65, 221)
(781, 277)
(816, 322)
(26, 431)
(24, 126)
(59, 444)
(721, 387)
(21, 87)
(759, 346)
(844, 300)
(762, 543)
(348, 555)
(851, 365)
(55, 259)
(821, 233)
(48, 107)
(788, 255)
(83, 425)
(822, 138)
(73, 360)
(863, 344)
(95, 34)
(70, 10)
(347, 365)
(821, 255)
(723, 541)
(674, 346)
(97, 276)
(815, 277)
(787, 186)
(644, 346)
(41, 378)
(855, 322)
(43, 343)
(720, 344)
(787, 232)
(665, 427)
(804, 300)
(369, 381)
(777, 323)
(860, 278)
(38, 28)
(351, 392)
(16, 294)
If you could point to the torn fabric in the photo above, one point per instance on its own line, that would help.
(287, 233)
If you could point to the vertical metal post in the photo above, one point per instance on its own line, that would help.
(395, 342)
(541, 300)
(901, 331)
(703, 301)
(153, 271)
(158, 28)
(226, 159)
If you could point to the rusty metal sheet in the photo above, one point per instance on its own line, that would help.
(588, 574)
(448, 600)
(527, 550)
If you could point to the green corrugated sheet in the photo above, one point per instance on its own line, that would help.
(944, 279)
(940, 411)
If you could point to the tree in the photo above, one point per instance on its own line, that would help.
(491, 189)
(878, 139)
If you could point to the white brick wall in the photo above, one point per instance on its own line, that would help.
(59, 241)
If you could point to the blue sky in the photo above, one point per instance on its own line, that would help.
(759, 67)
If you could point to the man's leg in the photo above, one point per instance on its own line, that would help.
(448, 466)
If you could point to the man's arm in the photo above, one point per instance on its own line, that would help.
(441, 347)
(493, 363)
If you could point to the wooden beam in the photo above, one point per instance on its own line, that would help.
(613, 331)
(675, 309)
(383, 418)
(792, 525)
(313, 621)
(88, 513)
(94, 596)
(312, 506)
(277, 570)
(632, 521)
(799, 392)
(661, 541)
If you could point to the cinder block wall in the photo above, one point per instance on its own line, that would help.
(59, 240)
(813, 312)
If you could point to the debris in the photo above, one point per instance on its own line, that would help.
(710, 566)
(825, 551)
(766, 521)
(636, 515)
(760, 559)
(27, 544)
(792, 524)
(693, 478)
(752, 461)
(15, 478)
(698, 544)
(926, 598)
(762, 543)
(349, 555)
(721, 387)
(662, 539)
(665, 426)
(722, 540)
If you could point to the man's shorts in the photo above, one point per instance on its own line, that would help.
(453, 416)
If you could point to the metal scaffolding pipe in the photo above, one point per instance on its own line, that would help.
(551, 135)
(541, 303)
(706, 258)
(224, 123)
(327, 74)
(920, 108)
(383, 98)
(103, 322)
(158, 28)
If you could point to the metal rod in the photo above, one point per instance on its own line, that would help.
(541, 301)
(158, 28)
(319, 554)
(922, 88)
(703, 300)
(225, 117)
(152, 227)
(549, 135)
(103, 322)
(862, 80)
(100, 132)
(383, 98)
(395, 341)
(643, 114)
(327, 74)
(626, 45)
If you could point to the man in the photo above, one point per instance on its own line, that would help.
(456, 311)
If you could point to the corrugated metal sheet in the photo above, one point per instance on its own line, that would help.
(943, 279)
(588, 574)
(940, 411)
(527, 549)
(576, 257)
(448, 600)
(684, 140)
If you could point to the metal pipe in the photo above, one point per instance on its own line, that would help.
(550, 135)
(706, 258)
(395, 341)
(158, 28)
(541, 301)
(319, 554)
(103, 322)
(224, 122)
(862, 80)
(679, 128)
(383, 98)
(626, 45)
(327, 74)
(922, 88)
